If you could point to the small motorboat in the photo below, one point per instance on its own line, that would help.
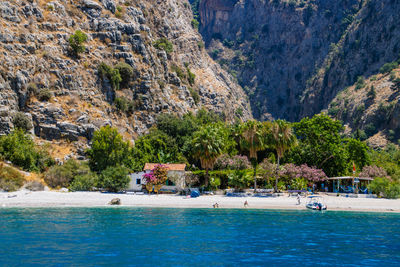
(315, 203)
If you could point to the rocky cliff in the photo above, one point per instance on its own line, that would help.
(293, 57)
(65, 95)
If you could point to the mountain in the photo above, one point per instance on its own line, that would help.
(159, 55)
(295, 58)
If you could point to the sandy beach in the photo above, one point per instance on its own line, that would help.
(97, 199)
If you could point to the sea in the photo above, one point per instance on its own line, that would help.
(121, 236)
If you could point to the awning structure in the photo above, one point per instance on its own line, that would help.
(350, 177)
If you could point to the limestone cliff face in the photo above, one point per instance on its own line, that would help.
(214, 15)
(274, 47)
(36, 57)
(369, 42)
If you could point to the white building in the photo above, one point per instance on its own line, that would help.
(176, 177)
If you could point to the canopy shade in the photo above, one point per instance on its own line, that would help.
(351, 177)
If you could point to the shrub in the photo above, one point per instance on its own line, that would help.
(105, 71)
(195, 95)
(298, 184)
(215, 183)
(63, 175)
(379, 185)
(191, 76)
(195, 24)
(360, 82)
(200, 44)
(44, 95)
(126, 73)
(115, 79)
(10, 179)
(32, 89)
(113, 74)
(179, 72)
(114, 179)
(240, 179)
(370, 129)
(392, 190)
(388, 67)
(371, 93)
(22, 121)
(20, 149)
(164, 44)
(76, 42)
(85, 182)
(121, 104)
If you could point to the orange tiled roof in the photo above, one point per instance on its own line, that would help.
(171, 167)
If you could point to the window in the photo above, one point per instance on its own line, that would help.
(138, 181)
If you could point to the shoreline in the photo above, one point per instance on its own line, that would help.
(52, 199)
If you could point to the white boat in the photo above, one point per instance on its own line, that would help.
(315, 203)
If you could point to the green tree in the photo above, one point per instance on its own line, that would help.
(155, 147)
(208, 144)
(253, 139)
(108, 150)
(114, 178)
(358, 153)
(76, 42)
(321, 145)
(282, 139)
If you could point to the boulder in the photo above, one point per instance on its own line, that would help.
(109, 4)
(34, 186)
(115, 201)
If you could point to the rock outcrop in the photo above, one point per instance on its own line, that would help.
(67, 97)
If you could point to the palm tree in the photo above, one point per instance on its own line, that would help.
(282, 139)
(253, 135)
(208, 144)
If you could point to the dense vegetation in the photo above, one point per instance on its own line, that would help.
(276, 154)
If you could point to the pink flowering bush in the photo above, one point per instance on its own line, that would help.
(237, 162)
(291, 171)
(158, 175)
(372, 172)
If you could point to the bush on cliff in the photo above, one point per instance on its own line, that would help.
(76, 42)
(164, 44)
(126, 73)
(20, 149)
(10, 179)
(22, 121)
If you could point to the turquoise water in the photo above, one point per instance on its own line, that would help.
(196, 237)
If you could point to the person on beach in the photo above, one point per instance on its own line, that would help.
(246, 204)
(298, 199)
(215, 205)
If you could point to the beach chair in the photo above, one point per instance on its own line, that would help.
(364, 191)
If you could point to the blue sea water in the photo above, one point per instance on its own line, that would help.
(196, 237)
